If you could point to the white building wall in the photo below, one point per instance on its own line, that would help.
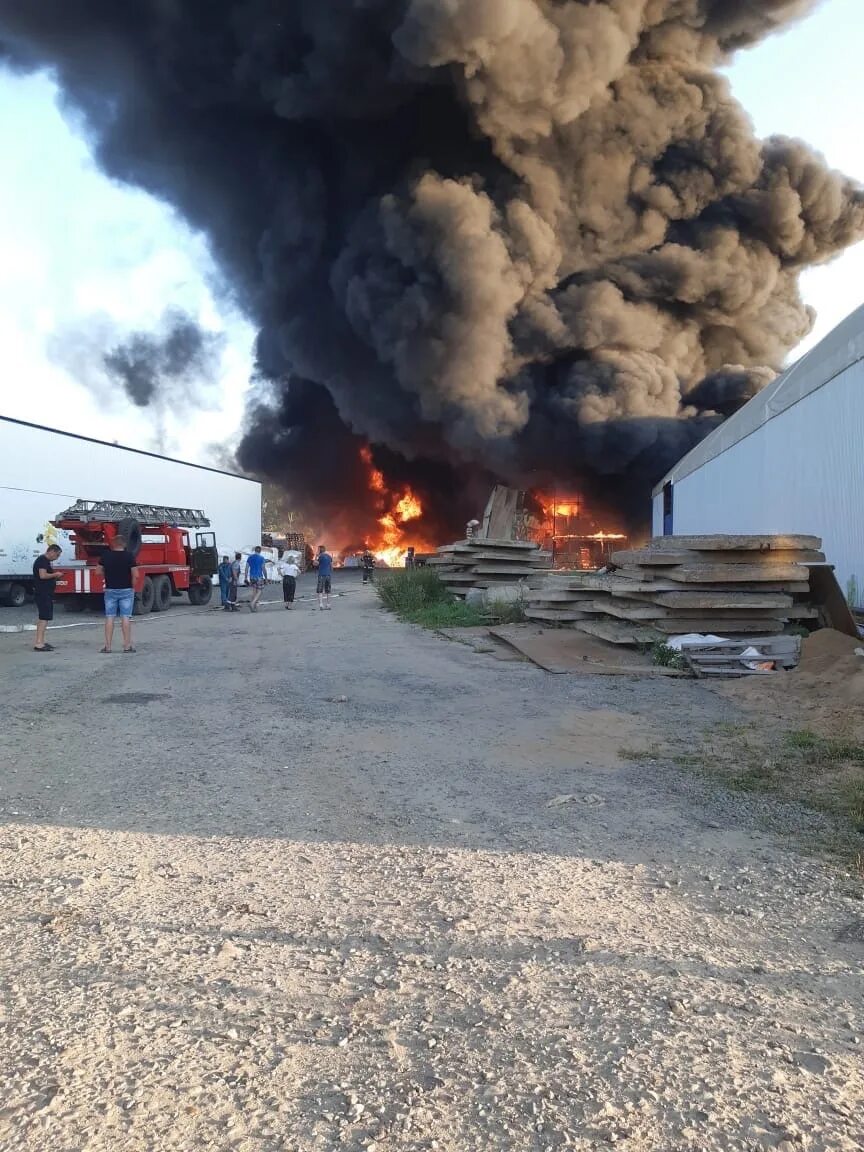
(801, 471)
(42, 472)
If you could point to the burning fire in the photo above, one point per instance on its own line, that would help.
(569, 530)
(563, 508)
(556, 508)
(401, 508)
(376, 478)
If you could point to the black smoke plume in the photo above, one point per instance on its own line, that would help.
(505, 237)
(178, 360)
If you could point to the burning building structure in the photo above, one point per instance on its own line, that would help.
(566, 528)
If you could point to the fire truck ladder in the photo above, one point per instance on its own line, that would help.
(113, 511)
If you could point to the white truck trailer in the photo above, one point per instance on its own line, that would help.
(43, 471)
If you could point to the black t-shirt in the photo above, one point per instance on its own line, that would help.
(44, 588)
(117, 567)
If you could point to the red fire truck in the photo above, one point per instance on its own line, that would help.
(167, 564)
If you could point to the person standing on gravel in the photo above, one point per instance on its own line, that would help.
(256, 567)
(289, 572)
(368, 562)
(43, 593)
(234, 580)
(117, 567)
(325, 577)
(225, 582)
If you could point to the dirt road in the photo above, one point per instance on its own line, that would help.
(314, 880)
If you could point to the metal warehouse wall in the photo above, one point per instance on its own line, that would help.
(802, 471)
(56, 469)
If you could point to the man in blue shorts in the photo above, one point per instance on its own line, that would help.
(255, 569)
(118, 571)
(325, 576)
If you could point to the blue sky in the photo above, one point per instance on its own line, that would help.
(81, 254)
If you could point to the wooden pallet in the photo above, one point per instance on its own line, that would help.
(725, 658)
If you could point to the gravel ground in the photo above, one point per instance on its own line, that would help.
(312, 881)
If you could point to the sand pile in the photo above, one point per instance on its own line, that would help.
(825, 691)
(823, 649)
(829, 667)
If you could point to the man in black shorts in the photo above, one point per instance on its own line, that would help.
(325, 575)
(45, 580)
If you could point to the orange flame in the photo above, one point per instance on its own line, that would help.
(408, 508)
(399, 508)
(566, 509)
(570, 530)
(376, 478)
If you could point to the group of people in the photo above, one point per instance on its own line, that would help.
(118, 571)
(229, 573)
(255, 576)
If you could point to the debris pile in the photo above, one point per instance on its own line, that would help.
(732, 586)
(485, 563)
(715, 657)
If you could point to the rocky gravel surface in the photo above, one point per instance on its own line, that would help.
(313, 881)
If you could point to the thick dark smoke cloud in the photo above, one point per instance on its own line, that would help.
(507, 237)
(179, 359)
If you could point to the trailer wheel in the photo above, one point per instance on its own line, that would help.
(200, 593)
(161, 593)
(130, 530)
(144, 602)
(16, 596)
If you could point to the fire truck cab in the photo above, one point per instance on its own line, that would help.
(166, 562)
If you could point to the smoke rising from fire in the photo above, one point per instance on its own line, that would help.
(515, 238)
(151, 366)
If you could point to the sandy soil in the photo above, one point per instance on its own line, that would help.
(312, 881)
(825, 692)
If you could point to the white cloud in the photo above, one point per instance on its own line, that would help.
(76, 247)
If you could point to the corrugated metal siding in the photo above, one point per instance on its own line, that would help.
(802, 471)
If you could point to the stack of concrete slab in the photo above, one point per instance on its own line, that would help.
(565, 598)
(723, 585)
(485, 563)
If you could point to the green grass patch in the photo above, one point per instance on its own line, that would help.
(824, 751)
(666, 657)
(409, 590)
(455, 614)
(418, 596)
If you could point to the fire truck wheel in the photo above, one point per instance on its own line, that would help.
(74, 603)
(130, 530)
(16, 597)
(161, 593)
(144, 602)
(200, 592)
